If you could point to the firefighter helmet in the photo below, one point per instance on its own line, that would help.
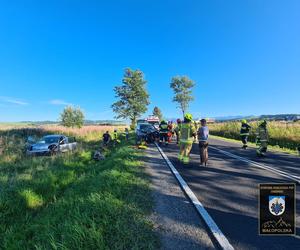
(188, 117)
(264, 123)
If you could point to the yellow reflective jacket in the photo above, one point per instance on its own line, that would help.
(262, 134)
(187, 132)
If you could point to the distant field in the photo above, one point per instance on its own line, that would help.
(89, 131)
(70, 200)
(5, 125)
(284, 135)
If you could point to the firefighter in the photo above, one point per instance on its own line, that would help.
(245, 129)
(163, 132)
(187, 133)
(177, 130)
(262, 138)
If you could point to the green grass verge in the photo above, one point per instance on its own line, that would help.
(73, 202)
(251, 144)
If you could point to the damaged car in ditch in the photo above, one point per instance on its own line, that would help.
(51, 145)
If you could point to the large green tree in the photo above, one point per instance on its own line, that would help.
(182, 87)
(157, 112)
(72, 117)
(133, 96)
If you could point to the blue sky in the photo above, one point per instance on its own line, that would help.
(243, 55)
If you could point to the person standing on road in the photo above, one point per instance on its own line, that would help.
(203, 133)
(163, 132)
(187, 133)
(245, 129)
(262, 138)
(177, 130)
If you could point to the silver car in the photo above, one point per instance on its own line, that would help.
(50, 145)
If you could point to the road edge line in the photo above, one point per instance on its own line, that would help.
(213, 227)
(259, 165)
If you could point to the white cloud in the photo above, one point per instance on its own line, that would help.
(60, 102)
(11, 100)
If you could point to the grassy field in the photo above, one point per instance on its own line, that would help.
(282, 135)
(71, 201)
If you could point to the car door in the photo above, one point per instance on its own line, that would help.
(63, 144)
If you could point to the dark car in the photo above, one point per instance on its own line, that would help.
(146, 132)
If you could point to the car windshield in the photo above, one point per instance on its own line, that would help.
(145, 126)
(50, 139)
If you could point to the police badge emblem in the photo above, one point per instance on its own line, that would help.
(276, 205)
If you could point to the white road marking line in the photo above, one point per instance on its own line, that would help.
(260, 165)
(217, 233)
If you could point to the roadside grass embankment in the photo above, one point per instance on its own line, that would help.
(71, 201)
(284, 137)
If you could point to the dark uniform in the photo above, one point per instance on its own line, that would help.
(163, 132)
(245, 129)
(177, 130)
(106, 138)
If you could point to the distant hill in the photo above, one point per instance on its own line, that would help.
(233, 118)
(279, 117)
(86, 122)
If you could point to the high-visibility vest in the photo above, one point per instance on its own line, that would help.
(115, 135)
(262, 134)
(186, 133)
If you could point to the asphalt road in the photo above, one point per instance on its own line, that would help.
(228, 189)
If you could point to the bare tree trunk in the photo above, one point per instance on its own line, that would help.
(133, 123)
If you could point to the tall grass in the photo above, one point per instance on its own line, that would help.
(70, 201)
(284, 135)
